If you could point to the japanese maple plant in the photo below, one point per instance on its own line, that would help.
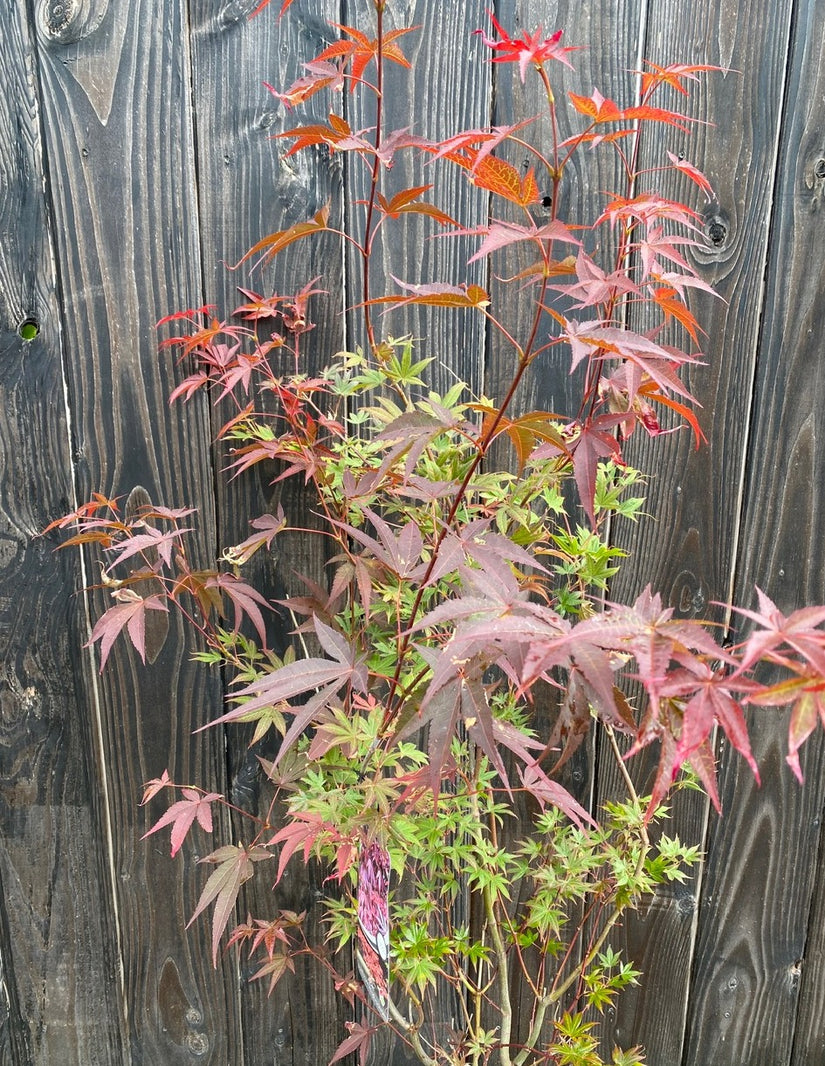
(463, 642)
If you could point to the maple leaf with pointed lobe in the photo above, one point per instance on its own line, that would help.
(323, 677)
(526, 50)
(600, 109)
(806, 695)
(798, 631)
(501, 234)
(359, 1039)
(234, 869)
(274, 243)
(648, 208)
(696, 176)
(265, 3)
(673, 75)
(195, 806)
(594, 286)
(320, 75)
(466, 141)
(244, 599)
(436, 294)
(589, 442)
(268, 527)
(157, 784)
(129, 614)
(86, 512)
(360, 51)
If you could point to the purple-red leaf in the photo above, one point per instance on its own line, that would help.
(128, 614)
(501, 234)
(195, 806)
(235, 866)
(153, 540)
(359, 1040)
(546, 791)
(244, 598)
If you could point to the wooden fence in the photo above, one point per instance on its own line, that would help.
(135, 160)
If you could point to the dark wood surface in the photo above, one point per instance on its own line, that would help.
(752, 968)
(135, 161)
(117, 121)
(59, 933)
(246, 190)
(688, 552)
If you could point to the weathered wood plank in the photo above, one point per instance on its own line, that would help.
(119, 145)
(809, 1033)
(548, 385)
(587, 25)
(687, 551)
(59, 938)
(447, 90)
(760, 878)
(247, 189)
(754, 907)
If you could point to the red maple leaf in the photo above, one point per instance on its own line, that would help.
(195, 806)
(129, 614)
(359, 1040)
(806, 694)
(526, 49)
(798, 632)
(672, 75)
(235, 867)
(244, 599)
(361, 50)
(320, 75)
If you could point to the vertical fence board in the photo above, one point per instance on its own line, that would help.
(548, 384)
(809, 1033)
(58, 938)
(119, 142)
(248, 189)
(761, 870)
(586, 25)
(453, 87)
(687, 551)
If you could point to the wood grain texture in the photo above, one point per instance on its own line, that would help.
(247, 189)
(754, 908)
(58, 930)
(809, 1033)
(155, 169)
(548, 384)
(117, 117)
(687, 552)
(586, 25)
(756, 915)
(452, 83)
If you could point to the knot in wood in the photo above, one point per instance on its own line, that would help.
(29, 328)
(717, 232)
(68, 21)
(235, 13)
(197, 1043)
(716, 227)
(58, 16)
